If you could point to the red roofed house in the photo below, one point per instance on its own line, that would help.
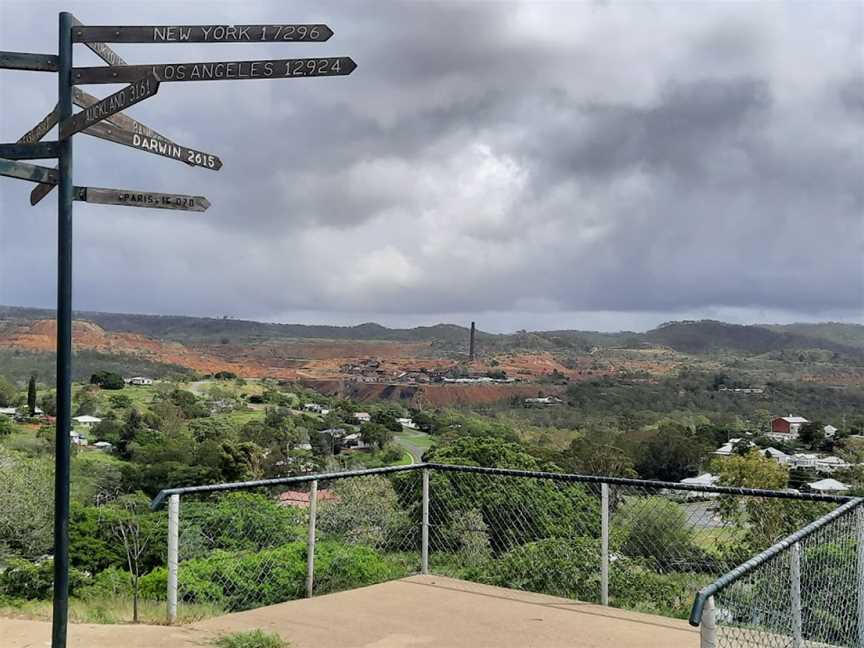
(787, 426)
(300, 499)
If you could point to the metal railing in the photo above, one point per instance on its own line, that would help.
(643, 545)
(807, 590)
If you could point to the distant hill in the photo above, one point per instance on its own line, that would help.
(707, 336)
(850, 335)
(697, 337)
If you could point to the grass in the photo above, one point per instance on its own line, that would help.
(418, 439)
(253, 639)
(108, 610)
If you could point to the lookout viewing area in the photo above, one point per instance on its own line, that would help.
(459, 556)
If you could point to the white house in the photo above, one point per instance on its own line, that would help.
(829, 431)
(831, 463)
(705, 479)
(103, 445)
(728, 448)
(140, 380)
(86, 420)
(77, 438)
(9, 411)
(354, 440)
(828, 486)
(407, 422)
(777, 455)
(542, 400)
(362, 417)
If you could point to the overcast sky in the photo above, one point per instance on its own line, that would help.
(530, 165)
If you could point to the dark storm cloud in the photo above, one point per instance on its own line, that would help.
(510, 158)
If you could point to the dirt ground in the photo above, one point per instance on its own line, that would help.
(416, 612)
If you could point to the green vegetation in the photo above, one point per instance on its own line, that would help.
(253, 639)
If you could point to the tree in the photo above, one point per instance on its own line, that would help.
(120, 401)
(27, 485)
(31, 395)
(49, 404)
(376, 434)
(671, 453)
(812, 434)
(597, 454)
(133, 426)
(107, 380)
(126, 517)
(8, 393)
(5, 426)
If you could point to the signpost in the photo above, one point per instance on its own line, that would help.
(218, 71)
(204, 34)
(136, 91)
(103, 118)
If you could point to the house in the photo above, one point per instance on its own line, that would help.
(803, 460)
(828, 486)
(86, 420)
(831, 464)
(140, 380)
(787, 426)
(829, 431)
(77, 438)
(300, 499)
(777, 455)
(9, 411)
(316, 408)
(104, 446)
(354, 441)
(705, 479)
(545, 400)
(728, 448)
(407, 422)
(362, 417)
(334, 432)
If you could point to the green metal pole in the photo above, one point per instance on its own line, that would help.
(64, 343)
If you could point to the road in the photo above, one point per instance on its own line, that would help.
(415, 451)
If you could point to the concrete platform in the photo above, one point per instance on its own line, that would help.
(421, 611)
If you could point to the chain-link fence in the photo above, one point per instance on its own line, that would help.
(647, 546)
(807, 591)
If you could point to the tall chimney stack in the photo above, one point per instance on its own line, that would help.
(471, 344)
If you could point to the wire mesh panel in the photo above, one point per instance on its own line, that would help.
(544, 535)
(806, 596)
(654, 547)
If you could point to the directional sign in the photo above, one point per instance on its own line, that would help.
(203, 34)
(28, 61)
(132, 198)
(233, 70)
(145, 87)
(101, 49)
(35, 151)
(155, 146)
(41, 129)
(40, 191)
(29, 172)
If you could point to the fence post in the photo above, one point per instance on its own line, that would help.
(424, 547)
(859, 536)
(604, 543)
(310, 544)
(795, 568)
(173, 552)
(708, 626)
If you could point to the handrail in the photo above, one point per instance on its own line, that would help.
(625, 481)
(771, 552)
(504, 472)
(297, 479)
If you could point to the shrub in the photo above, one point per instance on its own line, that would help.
(656, 529)
(254, 639)
(28, 580)
(238, 581)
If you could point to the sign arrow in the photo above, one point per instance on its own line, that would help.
(120, 120)
(132, 198)
(34, 151)
(222, 71)
(203, 34)
(30, 172)
(28, 61)
(155, 146)
(143, 88)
